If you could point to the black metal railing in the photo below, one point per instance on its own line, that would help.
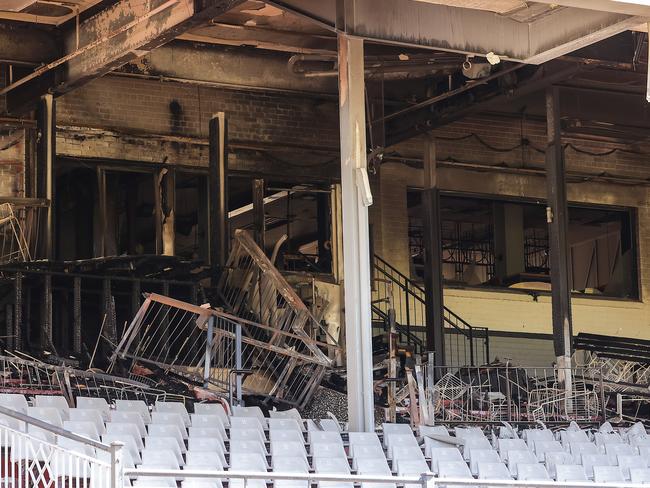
(465, 344)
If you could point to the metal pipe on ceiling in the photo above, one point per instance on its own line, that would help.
(405, 64)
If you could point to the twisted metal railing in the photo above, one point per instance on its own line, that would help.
(209, 347)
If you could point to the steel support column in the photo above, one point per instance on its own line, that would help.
(76, 314)
(557, 218)
(433, 256)
(18, 311)
(46, 330)
(356, 254)
(100, 244)
(258, 213)
(219, 235)
(46, 153)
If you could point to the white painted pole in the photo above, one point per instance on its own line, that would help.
(356, 198)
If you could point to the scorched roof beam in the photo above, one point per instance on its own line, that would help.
(412, 23)
(109, 39)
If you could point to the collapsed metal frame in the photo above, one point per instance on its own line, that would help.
(30, 377)
(252, 288)
(209, 347)
(82, 289)
(516, 394)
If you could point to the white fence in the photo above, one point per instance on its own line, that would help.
(37, 454)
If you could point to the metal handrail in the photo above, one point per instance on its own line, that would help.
(53, 429)
(400, 328)
(408, 287)
(314, 477)
(425, 479)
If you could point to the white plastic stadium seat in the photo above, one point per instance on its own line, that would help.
(208, 421)
(292, 413)
(203, 460)
(290, 465)
(153, 443)
(129, 417)
(329, 437)
(626, 462)
(505, 445)
(251, 435)
(608, 474)
(493, 471)
(201, 483)
(430, 444)
(467, 432)
(46, 414)
(591, 460)
(363, 438)
(170, 418)
(475, 443)
(129, 444)
(123, 429)
(555, 458)
(252, 462)
(324, 424)
(284, 435)
(155, 482)
(640, 475)
(255, 412)
(75, 446)
(288, 449)
(14, 401)
(396, 429)
(213, 409)
(569, 436)
(411, 467)
(88, 415)
(81, 427)
(541, 448)
(248, 447)
(515, 458)
(50, 415)
(215, 433)
(406, 452)
(577, 449)
(360, 451)
(607, 439)
(402, 440)
(246, 423)
(454, 469)
(134, 406)
(284, 424)
(570, 472)
(332, 466)
(92, 403)
(167, 430)
(330, 451)
(448, 454)
(532, 472)
(52, 401)
(160, 458)
(616, 450)
(205, 444)
(174, 407)
(482, 456)
(424, 430)
(533, 435)
(374, 467)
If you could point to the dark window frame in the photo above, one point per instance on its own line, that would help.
(632, 213)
